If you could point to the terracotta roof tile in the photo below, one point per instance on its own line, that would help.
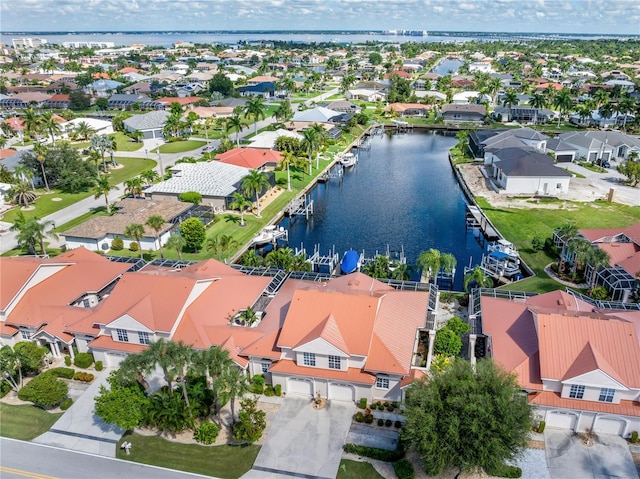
(553, 399)
(350, 375)
(589, 360)
(252, 158)
(264, 347)
(14, 273)
(619, 252)
(328, 330)
(106, 343)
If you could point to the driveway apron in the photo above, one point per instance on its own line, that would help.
(303, 442)
(80, 429)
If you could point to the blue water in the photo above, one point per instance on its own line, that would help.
(446, 66)
(401, 193)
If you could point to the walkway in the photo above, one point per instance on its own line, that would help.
(303, 442)
(79, 429)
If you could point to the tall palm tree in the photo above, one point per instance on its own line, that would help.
(102, 188)
(213, 362)
(161, 353)
(235, 384)
(253, 184)
(537, 101)
(133, 186)
(284, 112)
(101, 144)
(309, 144)
(32, 123)
(563, 100)
(41, 155)
(478, 278)
(156, 223)
(402, 272)
(251, 258)
(135, 231)
(429, 261)
(84, 131)
(149, 177)
(176, 242)
(32, 231)
(183, 358)
(625, 106)
(580, 248)
(606, 110)
(448, 262)
(234, 122)
(240, 203)
(494, 86)
(597, 258)
(510, 98)
(49, 123)
(255, 108)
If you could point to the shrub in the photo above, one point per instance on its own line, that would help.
(66, 404)
(45, 390)
(133, 246)
(359, 416)
(375, 453)
(66, 373)
(634, 437)
(363, 403)
(278, 390)
(388, 423)
(386, 404)
(67, 361)
(83, 360)
(5, 387)
(397, 424)
(257, 384)
(537, 243)
(193, 232)
(99, 366)
(404, 469)
(504, 470)
(380, 422)
(117, 244)
(541, 426)
(206, 433)
(390, 408)
(268, 391)
(191, 197)
(84, 377)
(368, 418)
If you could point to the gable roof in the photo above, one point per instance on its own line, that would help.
(328, 330)
(252, 158)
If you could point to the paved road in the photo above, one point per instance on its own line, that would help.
(19, 459)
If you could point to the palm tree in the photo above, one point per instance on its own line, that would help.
(248, 316)
(22, 193)
(606, 110)
(255, 109)
(135, 231)
(402, 272)
(32, 123)
(346, 82)
(102, 188)
(448, 262)
(32, 231)
(251, 258)
(597, 258)
(477, 277)
(580, 248)
(282, 258)
(133, 186)
(494, 86)
(537, 101)
(235, 122)
(176, 242)
(235, 384)
(40, 152)
(149, 176)
(510, 99)
(309, 144)
(253, 184)
(84, 131)
(161, 353)
(182, 356)
(48, 123)
(429, 261)
(156, 223)
(101, 144)
(135, 366)
(563, 101)
(284, 112)
(240, 203)
(625, 106)
(213, 362)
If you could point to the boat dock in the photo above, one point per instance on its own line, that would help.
(475, 218)
(269, 234)
(402, 125)
(321, 263)
(301, 205)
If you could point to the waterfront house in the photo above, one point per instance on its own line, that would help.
(408, 109)
(594, 146)
(579, 365)
(253, 158)
(483, 142)
(470, 113)
(149, 124)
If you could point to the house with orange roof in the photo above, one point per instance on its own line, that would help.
(252, 158)
(622, 245)
(579, 365)
(343, 338)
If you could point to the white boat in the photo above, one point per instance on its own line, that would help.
(348, 159)
(269, 234)
(504, 246)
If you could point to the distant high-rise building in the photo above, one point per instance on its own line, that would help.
(28, 42)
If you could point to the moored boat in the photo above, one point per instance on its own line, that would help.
(350, 262)
(348, 159)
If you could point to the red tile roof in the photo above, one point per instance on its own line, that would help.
(553, 399)
(183, 101)
(350, 375)
(6, 152)
(106, 343)
(252, 158)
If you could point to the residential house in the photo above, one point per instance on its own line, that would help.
(483, 142)
(523, 114)
(103, 88)
(408, 109)
(253, 158)
(124, 101)
(594, 146)
(97, 233)
(463, 114)
(267, 139)
(150, 124)
(579, 365)
(59, 101)
(264, 89)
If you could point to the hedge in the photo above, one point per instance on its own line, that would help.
(82, 376)
(66, 373)
(133, 246)
(117, 244)
(66, 404)
(634, 437)
(67, 361)
(278, 389)
(375, 453)
(83, 360)
(99, 366)
(45, 390)
(363, 403)
(404, 469)
(504, 470)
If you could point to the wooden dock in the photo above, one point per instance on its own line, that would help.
(475, 218)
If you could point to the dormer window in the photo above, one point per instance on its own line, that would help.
(382, 381)
(309, 359)
(123, 336)
(143, 337)
(606, 395)
(576, 392)
(334, 362)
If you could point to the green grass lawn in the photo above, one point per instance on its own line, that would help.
(44, 204)
(356, 470)
(24, 422)
(180, 146)
(228, 462)
(520, 226)
(124, 142)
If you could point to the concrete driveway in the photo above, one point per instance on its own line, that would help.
(304, 442)
(608, 458)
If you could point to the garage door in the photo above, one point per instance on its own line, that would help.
(299, 386)
(114, 359)
(341, 392)
(561, 420)
(609, 426)
(564, 158)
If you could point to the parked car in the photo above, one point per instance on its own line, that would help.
(603, 164)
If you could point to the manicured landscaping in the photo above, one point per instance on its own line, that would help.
(228, 462)
(180, 146)
(24, 422)
(356, 470)
(125, 143)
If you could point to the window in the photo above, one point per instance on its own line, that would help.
(606, 395)
(334, 362)
(25, 334)
(86, 303)
(122, 335)
(265, 367)
(382, 382)
(309, 359)
(576, 392)
(143, 337)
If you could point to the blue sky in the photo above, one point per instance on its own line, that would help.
(555, 16)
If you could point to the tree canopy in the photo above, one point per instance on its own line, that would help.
(466, 419)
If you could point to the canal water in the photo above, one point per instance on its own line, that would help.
(402, 193)
(447, 66)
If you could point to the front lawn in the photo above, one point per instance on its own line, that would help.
(181, 146)
(125, 143)
(228, 462)
(356, 470)
(24, 422)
